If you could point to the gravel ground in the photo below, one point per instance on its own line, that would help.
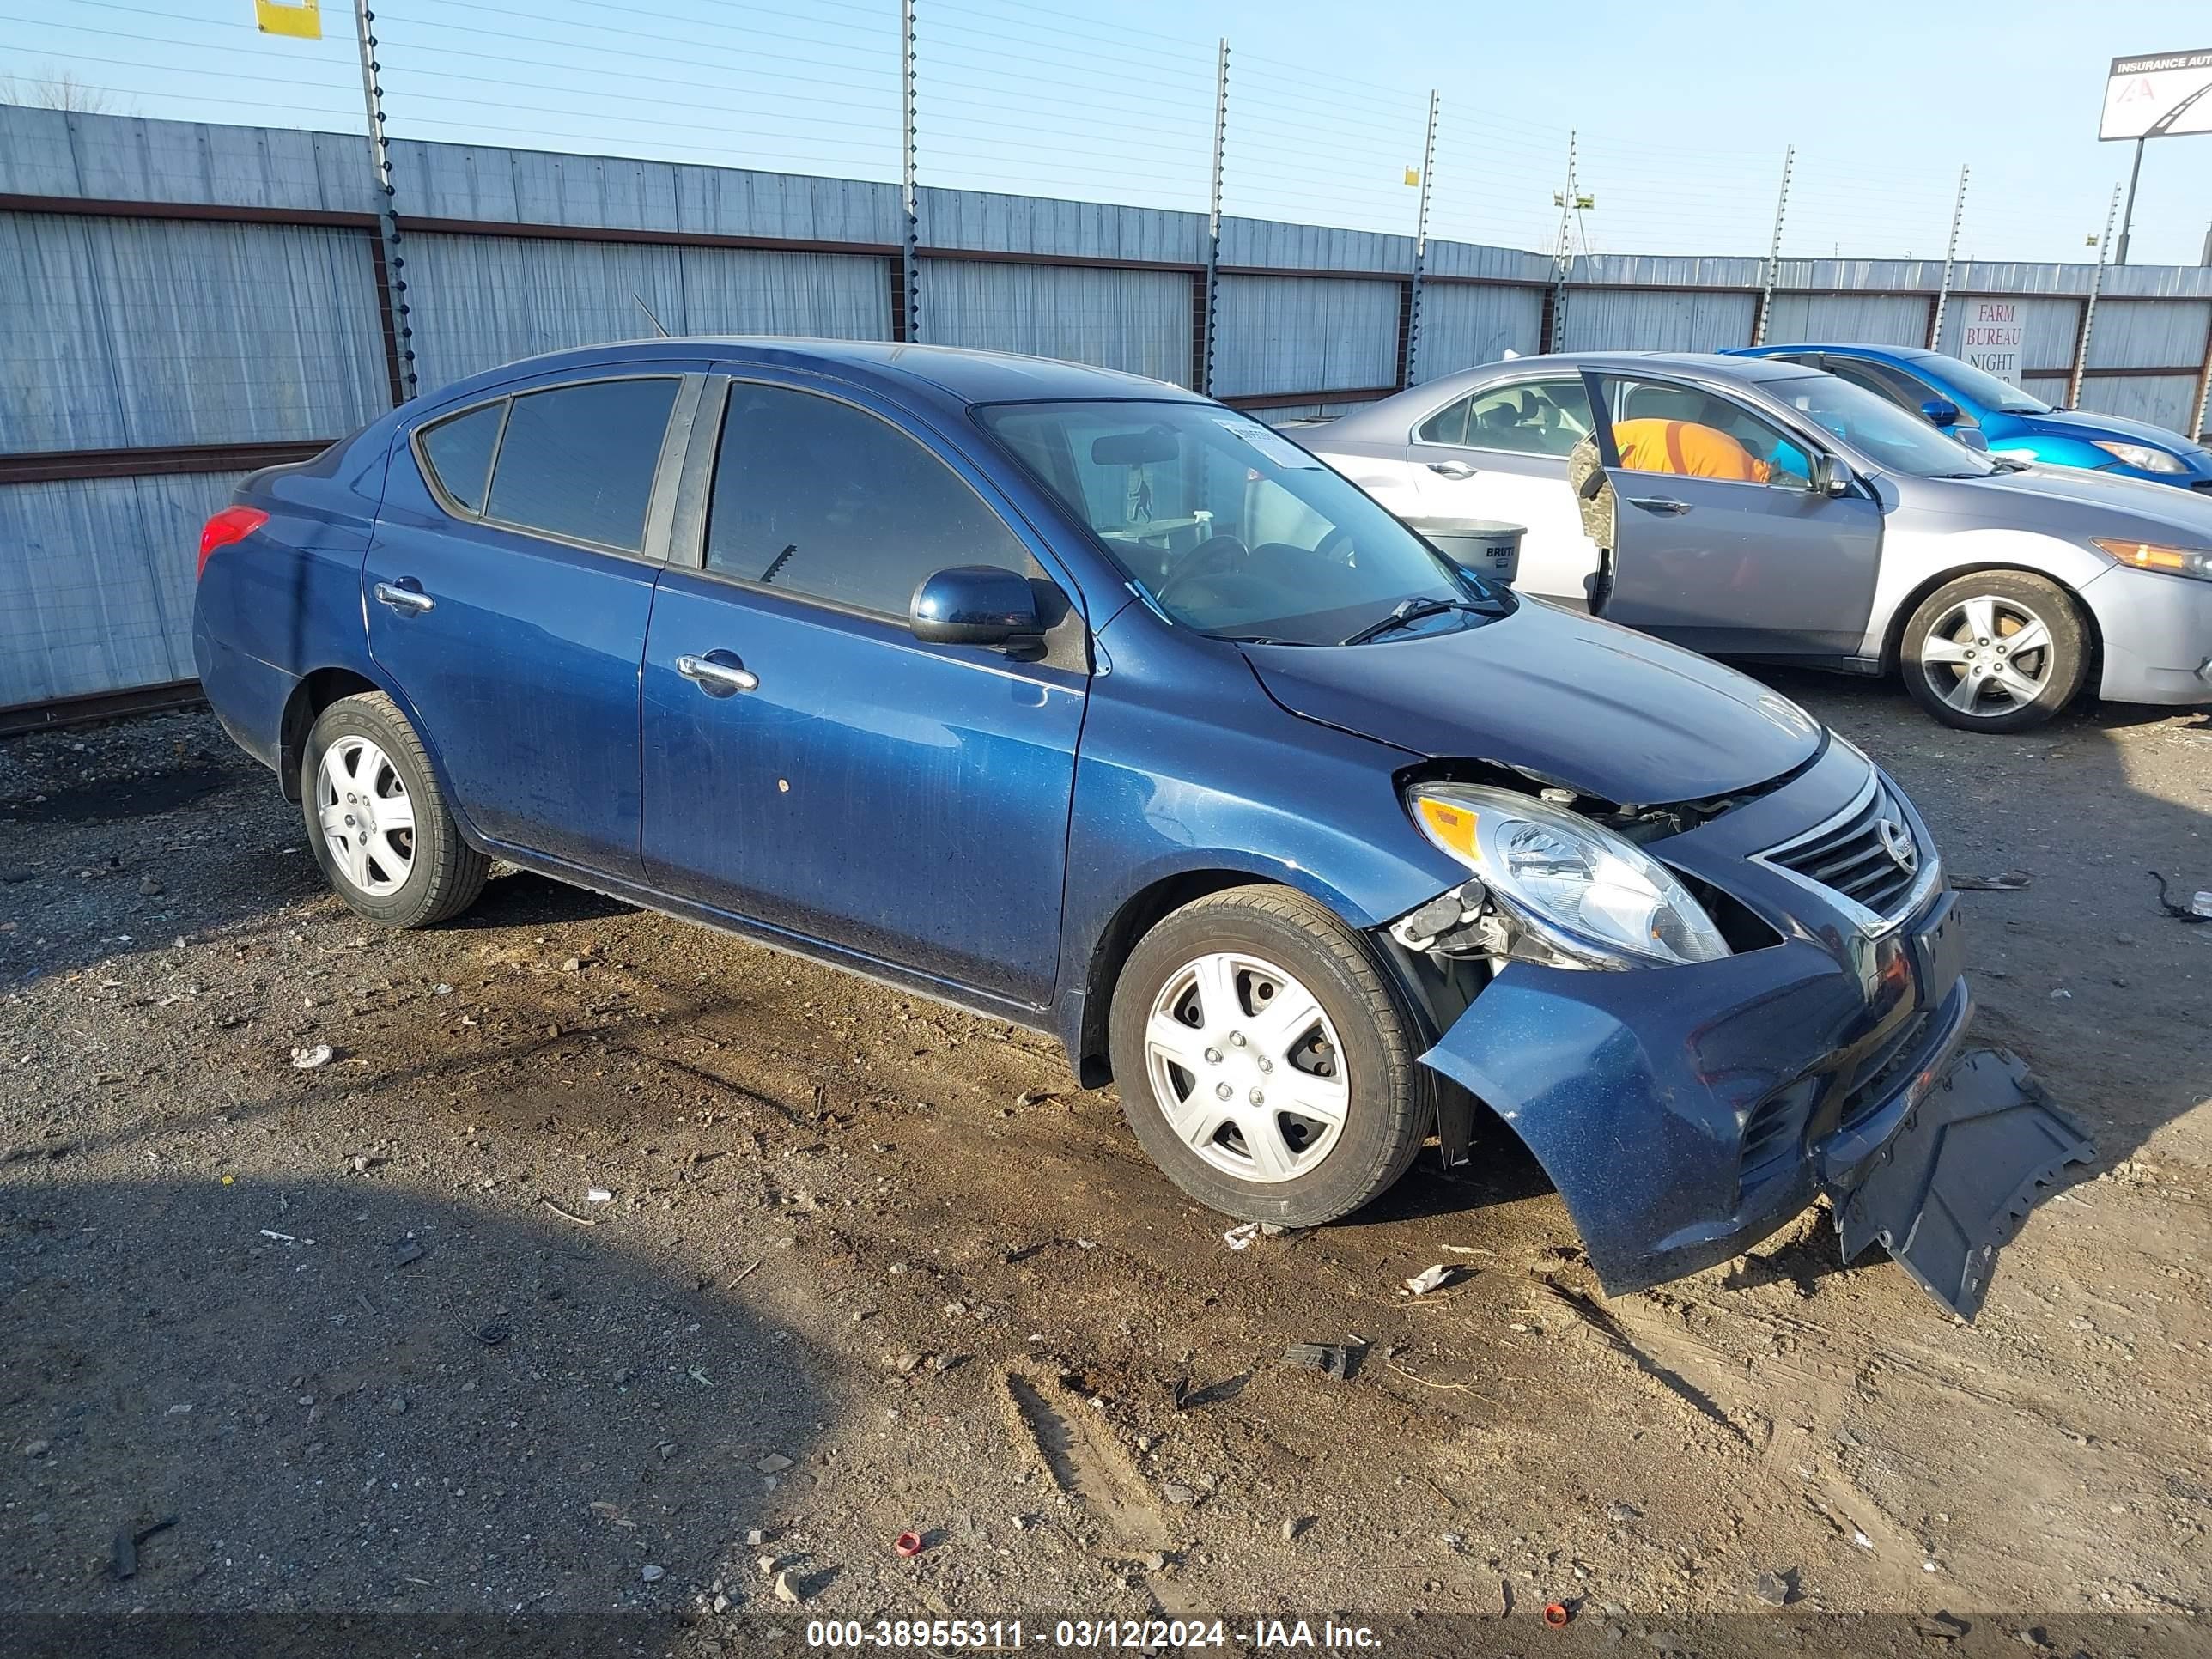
(610, 1266)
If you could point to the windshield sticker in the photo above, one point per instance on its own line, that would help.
(1271, 445)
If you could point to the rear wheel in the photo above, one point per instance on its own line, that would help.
(1264, 1061)
(1999, 651)
(377, 820)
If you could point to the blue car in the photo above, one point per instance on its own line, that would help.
(1081, 702)
(1990, 414)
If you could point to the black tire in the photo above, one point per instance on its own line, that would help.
(443, 874)
(2015, 598)
(1390, 1102)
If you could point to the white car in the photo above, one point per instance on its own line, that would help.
(1845, 532)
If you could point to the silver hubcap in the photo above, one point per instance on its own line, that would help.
(1246, 1068)
(367, 819)
(1988, 655)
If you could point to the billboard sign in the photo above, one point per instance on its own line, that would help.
(2164, 95)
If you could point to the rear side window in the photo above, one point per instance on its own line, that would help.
(458, 452)
(816, 497)
(578, 461)
(1447, 426)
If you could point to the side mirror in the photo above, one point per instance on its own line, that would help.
(1941, 411)
(1830, 477)
(976, 605)
(1972, 436)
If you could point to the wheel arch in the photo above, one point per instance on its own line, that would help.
(1893, 635)
(317, 690)
(1085, 1026)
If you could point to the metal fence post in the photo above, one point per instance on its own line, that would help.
(908, 323)
(392, 265)
(1774, 249)
(1410, 363)
(2089, 305)
(1562, 262)
(1209, 323)
(1950, 264)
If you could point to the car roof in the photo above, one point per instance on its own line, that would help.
(1390, 414)
(1858, 349)
(942, 374)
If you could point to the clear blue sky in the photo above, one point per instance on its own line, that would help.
(1683, 112)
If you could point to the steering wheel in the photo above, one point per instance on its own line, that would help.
(1215, 555)
(1337, 545)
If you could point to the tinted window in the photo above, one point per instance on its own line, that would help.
(1536, 417)
(819, 498)
(1660, 427)
(578, 461)
(1447, 426)
(458, 452)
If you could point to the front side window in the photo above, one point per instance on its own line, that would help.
(458, 452)
(1231, 528)
(578, 461)
(1659, 426)
(816, 497)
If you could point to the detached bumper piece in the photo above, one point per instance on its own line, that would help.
(1957, 1179)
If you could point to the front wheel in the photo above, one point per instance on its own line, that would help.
(1999, 651)
(1264, 1061)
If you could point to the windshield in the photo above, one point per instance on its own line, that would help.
(1878, 428)
(1233, 529)
(1986, 389)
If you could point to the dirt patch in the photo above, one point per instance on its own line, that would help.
(371, 1335)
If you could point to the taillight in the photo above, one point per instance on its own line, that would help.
(233, 524)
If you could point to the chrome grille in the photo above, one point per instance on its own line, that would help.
(1853, 853)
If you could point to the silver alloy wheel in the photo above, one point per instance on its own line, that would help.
(1246, 1068)
(367, 815)
(1988, 655)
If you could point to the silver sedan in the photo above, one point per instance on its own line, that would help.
(1767, 511)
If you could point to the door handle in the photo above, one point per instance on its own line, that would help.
(1451, 468)
(1658, 504)
(718, 673)
(403, 597)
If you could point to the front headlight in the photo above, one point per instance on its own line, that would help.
(2141, 457)
(1588, 894)
(2155, 555)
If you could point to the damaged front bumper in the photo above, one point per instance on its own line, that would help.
(1686, 1113)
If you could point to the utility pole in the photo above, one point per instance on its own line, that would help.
(1563, 260)
(1774, 248)
(2128, 218)
(2089, 305)
(387, 221)
(910, 320)
(1407, 369)
(1950, 264)
(1210, 324)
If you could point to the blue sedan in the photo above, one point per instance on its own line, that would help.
(1084, 702)
(1987, 413)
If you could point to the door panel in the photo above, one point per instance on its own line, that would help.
(831, 775)
(906, 801)
(522, 666)
(1721, 543)
(1502, 454)
(1748, 568)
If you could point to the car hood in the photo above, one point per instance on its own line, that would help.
(2072, 425)
(2072, 500)
(1566, 699)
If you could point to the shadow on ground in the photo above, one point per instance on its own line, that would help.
(339, 1396)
